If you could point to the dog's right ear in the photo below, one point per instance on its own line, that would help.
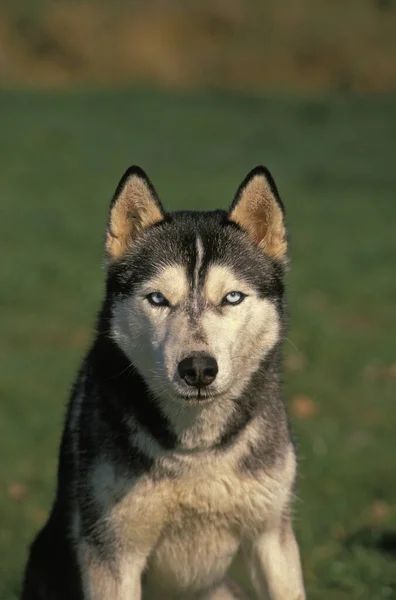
(134, 207)
(258, 209)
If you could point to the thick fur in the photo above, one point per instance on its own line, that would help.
(161, 485)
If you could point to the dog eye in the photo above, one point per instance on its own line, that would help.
(157, 299)
(233, 298)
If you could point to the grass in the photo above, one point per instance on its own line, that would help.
(61, 155)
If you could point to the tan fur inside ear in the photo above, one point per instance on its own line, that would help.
(134, 210)
(258, 212)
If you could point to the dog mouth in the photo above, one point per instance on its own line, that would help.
(197, 396)
(183, 393)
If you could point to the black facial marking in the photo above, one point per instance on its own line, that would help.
(123, 392)
(174, 242)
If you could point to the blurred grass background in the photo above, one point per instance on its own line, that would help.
(198, 100)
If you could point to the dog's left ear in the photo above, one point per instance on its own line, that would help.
(258, 209)
(135, 206)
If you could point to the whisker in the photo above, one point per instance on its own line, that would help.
(293, 345)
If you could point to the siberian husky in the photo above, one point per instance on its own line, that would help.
(176, 456)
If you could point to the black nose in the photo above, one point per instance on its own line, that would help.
(198, 369)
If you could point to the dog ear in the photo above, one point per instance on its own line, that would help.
(258, 209)
(134, 207)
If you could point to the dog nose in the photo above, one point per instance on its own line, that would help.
(198, 370)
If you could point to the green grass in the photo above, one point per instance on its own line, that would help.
(61, 156)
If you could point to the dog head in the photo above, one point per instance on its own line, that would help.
(196, 297)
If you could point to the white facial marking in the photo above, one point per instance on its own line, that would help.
(198, 265)
(156, 338)
(221, 281)
(240, 335)
(142, 330)
(171, 282)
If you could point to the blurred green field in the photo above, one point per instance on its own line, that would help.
(61, 155)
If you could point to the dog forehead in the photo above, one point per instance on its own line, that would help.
(190, 248)
(177, 283)
(221, 279)
(196, 251)
(171, 281)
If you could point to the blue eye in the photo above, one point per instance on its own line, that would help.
(233, 298)
(157, 299)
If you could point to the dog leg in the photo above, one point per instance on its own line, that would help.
(275, 565)
(227, 590)
(110, 579)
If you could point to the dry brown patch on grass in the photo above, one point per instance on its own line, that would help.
(17, 491)
(303, 407)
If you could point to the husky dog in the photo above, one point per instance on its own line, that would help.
(176, 455)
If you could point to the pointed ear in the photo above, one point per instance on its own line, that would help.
(134, 207)
(258, 209)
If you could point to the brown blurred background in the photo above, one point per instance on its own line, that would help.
(309, 45)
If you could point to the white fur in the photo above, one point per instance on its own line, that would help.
(197, 268)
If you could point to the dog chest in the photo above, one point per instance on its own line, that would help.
(207, 518)
(208, 493)
(190, 555)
